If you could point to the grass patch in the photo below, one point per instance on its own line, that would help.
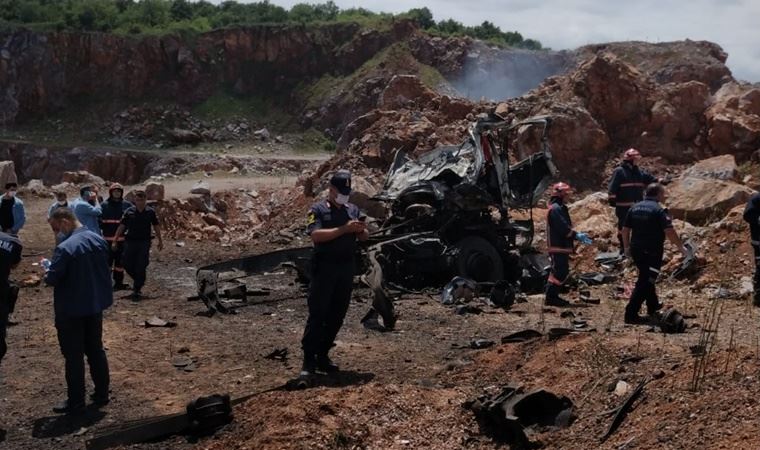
(313, 141)
(224, 105)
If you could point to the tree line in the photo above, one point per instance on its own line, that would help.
(160, 16)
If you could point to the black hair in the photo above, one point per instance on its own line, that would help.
(654, 190)
(11, 185)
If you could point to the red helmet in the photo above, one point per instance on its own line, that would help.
(560, 189)
(631, 154)
(115, 186)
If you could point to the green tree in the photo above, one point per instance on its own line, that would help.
(180, 10)
(422, 16)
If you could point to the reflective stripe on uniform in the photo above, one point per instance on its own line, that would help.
(110, 238)
(624, 204)
(111, 221)
(632, 185)
(553, 280)
(559, 250)
(754, 242)
(654, 270)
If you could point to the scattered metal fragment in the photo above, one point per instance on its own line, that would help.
(688, 266)
(506, 415)
(478, 344)
(278, 354)
(156, 321)
(670, 321)
(623, 410)
(457, 289)
(521, 336)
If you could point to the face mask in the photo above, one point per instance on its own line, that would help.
(12, 193)
(341, 199)
(61, 202)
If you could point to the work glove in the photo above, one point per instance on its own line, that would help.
(583, 238)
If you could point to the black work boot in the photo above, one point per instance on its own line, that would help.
(99, 399)
(324, 364)
(636, 319)
(756, 299)
(67, 407)
(309, 366)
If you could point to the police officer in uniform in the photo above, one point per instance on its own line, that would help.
(752, 217)
(644, 231)
(627, 188)
(10, 256)
(559, 240)
(334, 226)
(136, 226)
(113, 210)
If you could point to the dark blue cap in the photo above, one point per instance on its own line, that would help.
(342, 181)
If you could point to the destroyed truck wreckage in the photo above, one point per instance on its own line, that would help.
(449, 216)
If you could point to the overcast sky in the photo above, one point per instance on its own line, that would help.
(561, 24)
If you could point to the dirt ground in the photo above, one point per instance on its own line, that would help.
(401, 389)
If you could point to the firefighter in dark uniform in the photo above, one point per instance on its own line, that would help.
(752, 216)
(334, 226)
(10, 256)
(113, 210)
(644, 231)
(627, 188)
(559, 240)
(136, 226)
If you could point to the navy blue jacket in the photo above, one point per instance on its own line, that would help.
(752, 217)
(80, 275)
(111, 213)
(627, 185)
(648, 222)
(325, 215)
(559, 228)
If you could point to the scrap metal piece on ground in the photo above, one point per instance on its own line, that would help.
(689, 266)
(670, 321)
(521, 336)
(202, 417)
(596, 278)
(209, 278)
(609, 259)
(506, 415)
(156, 321)
(381, 300)
(623, 410)
(478, 344)
(278, 354)
(458, 288)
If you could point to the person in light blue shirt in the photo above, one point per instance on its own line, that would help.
(87, 208)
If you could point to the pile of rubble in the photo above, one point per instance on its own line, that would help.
(174, 124)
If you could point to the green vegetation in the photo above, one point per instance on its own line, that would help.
(171, 16)
(396, 59)
(224, 105)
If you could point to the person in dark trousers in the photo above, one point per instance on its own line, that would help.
(10, 256)
(81, 280)
(752, 217)
(12, 214)
(87, 208)
(334, 226)
(136, 226)
(559, 241)
(644, 231)
(627, 188)
(113, 210)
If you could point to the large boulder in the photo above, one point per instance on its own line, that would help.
(719, 168)
(362, 191)
(154, 191)
(733, 120)
(405, 90)
(593, 215)
(701, 201)
(7, 173)
(81, 177)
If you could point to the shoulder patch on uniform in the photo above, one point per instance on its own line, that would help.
(311, 218)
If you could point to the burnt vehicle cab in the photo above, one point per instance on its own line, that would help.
(454, 204)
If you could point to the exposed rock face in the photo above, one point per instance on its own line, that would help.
(41, 72)
(733, 120)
